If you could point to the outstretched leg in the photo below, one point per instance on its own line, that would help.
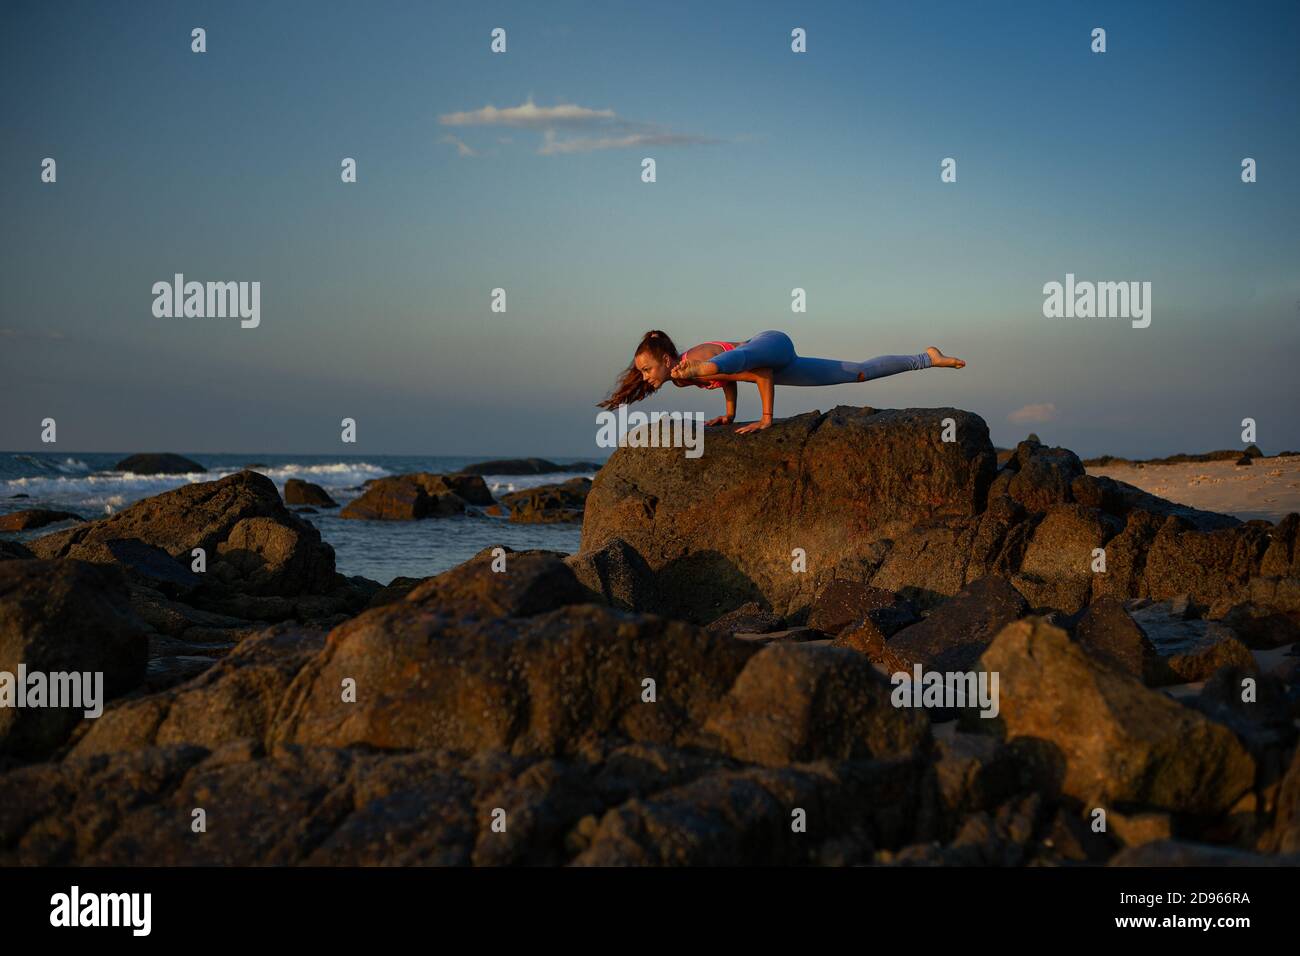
(815, 371)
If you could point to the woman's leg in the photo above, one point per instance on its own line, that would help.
(816, 371)
(772, 350)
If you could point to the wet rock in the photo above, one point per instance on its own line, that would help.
(299, 492)
(1113, 741)
(62, 617)
(546, 504)
(253, 543)
(162, 464)
(34, 518)
(407, 498)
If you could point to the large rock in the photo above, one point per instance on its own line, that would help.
(1110, 739)
(234, 699)
(299, 492)
(63, 617)
(34, 518)
(616, 575)
(796, 704)
(416, 496)
(722, 529)
(528, 684)
(253, 543)
(161, 464)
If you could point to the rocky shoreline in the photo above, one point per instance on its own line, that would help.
(707, 681)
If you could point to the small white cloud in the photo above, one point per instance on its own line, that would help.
(529, 115)
(462, 148)
(1032, 414)
(592, 129)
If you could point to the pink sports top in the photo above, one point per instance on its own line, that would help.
(712, 383)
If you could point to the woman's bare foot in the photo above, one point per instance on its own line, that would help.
(939, 360)
(691, 368)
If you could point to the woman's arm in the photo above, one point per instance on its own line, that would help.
(729, 392)
(762, 377)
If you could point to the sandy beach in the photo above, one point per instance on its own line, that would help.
(1268, 489)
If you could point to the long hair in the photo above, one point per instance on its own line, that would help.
(631, 387)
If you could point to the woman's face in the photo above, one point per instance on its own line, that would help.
(654, 370)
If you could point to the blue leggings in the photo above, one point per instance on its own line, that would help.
(774, 350)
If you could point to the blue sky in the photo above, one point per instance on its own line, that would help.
(775, 170)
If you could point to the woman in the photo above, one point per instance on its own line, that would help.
(767, 360)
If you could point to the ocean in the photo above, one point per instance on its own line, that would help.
(381, 550)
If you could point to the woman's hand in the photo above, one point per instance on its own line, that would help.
(720, 420)
(758, 426)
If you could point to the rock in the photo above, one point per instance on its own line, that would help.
(1057, 568)
(870, 634)
(1138, 829)
(34, 518)
(233, 698)
(832, 484)
(842, 603)
(535, 685)
(749, 618)
(1041, 476)
(615, 575)
(1111, 740)
(253, 543)
(1189, 649)
(1107, 631)
(1262, 722)
(1260, 627)
(953, 636)
(549, 503)
(163, 464)
(396, 590)
(13, 551)
(417, 495)
(531, 582)
(1285, 837)
(795, 705)
(1245, 460)
(63, 617)
(142, 563)
(743, 816)
(524, 466)
(299, 492)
